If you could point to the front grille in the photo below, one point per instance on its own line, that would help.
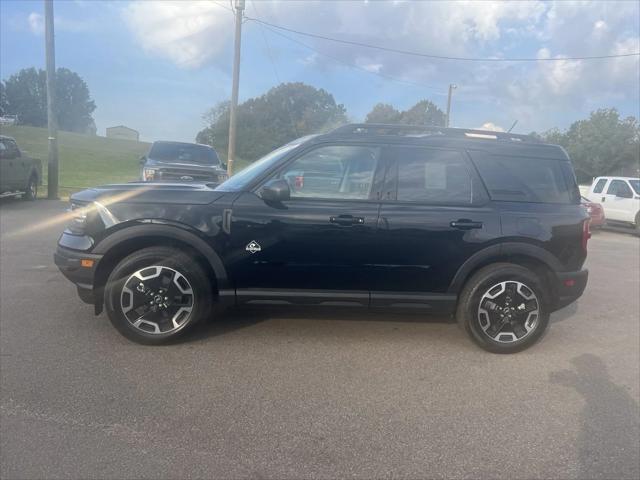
(177, 176)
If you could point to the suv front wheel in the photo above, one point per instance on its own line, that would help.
(504, 308)
(156, 294)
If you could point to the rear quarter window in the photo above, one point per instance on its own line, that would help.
(526, 179)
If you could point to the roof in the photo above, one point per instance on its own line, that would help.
(4, 137)
(617, 178)
(183, 143)
(123, 126)
(469, 139)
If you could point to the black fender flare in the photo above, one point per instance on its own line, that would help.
(498, 252)
(171, 231)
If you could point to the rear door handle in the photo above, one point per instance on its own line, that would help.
(464, 224)
(346, 220)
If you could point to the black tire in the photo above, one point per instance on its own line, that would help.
(31, 189)
(164, 259)
(637, 223)
(481, 283)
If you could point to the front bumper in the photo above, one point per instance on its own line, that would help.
(569, 287)
(70, 262)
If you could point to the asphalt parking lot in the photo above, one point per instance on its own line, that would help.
(324, 394)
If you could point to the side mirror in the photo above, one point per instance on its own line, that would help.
(143, 159)
(276, 190)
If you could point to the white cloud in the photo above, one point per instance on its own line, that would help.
(188, 33)
(491, 127)
(192, 34)
(36, 23)
(64, 24)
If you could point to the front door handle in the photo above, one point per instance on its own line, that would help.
(603, 199)
(464, 224)
(346, 220)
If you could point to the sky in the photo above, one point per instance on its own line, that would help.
(158, 66)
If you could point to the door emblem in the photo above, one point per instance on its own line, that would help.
(253, 247)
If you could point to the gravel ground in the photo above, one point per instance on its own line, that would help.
(311, 394)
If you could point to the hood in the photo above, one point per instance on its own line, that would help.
(154, 193)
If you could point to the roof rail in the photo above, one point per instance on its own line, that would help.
(423, 130)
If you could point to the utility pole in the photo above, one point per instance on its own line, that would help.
(50, 51)
(452, 87)
(239, 6)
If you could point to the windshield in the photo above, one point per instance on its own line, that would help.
(183, 153)
(241, 179)
(635, 184)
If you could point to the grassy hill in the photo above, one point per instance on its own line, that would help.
(85, 160)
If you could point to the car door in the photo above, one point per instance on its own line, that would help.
(4, 168)
(437, 217)
(9, 164)
(316, 246)
(620, 204)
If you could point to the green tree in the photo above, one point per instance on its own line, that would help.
(602, 144)
(284, 113)
(422, 113)
(3, 99)
(383, 113)
(26, 97)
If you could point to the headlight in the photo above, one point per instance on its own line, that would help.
(79, 212)
(148, 174)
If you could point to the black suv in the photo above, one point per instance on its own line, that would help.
(181, 162)
(485, 225)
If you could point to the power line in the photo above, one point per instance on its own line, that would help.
(350, 65)
(438, 57)
(266, 42)
(275, 70)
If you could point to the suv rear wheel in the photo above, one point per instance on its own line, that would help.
(504, 308)
(156, 294)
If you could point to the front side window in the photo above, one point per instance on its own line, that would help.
(523, 179)
(432, 176)
(600, 185)
(619, 189)
(635, 184)
(333, 172)
(9, 149)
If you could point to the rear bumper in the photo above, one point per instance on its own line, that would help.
(70, 264)
(569, 287)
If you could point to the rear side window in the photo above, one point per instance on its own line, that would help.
(619, 189)
(523, 179)
(432, 176)
(600, 185)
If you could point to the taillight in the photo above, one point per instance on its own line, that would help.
(586, 233)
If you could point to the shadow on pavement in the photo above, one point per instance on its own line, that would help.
(609, 440)
(238, 318)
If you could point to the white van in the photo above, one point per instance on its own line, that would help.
(620, 198)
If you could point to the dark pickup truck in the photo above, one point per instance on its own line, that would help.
(486, 226)
(20, 175)
(182, 162)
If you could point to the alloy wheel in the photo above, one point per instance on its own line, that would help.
(508, 311)
(157, 300)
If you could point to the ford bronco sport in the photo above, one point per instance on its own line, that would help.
(487, 226)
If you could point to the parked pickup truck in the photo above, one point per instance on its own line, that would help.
(182, 162)
(20, 175)
(620, 198)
